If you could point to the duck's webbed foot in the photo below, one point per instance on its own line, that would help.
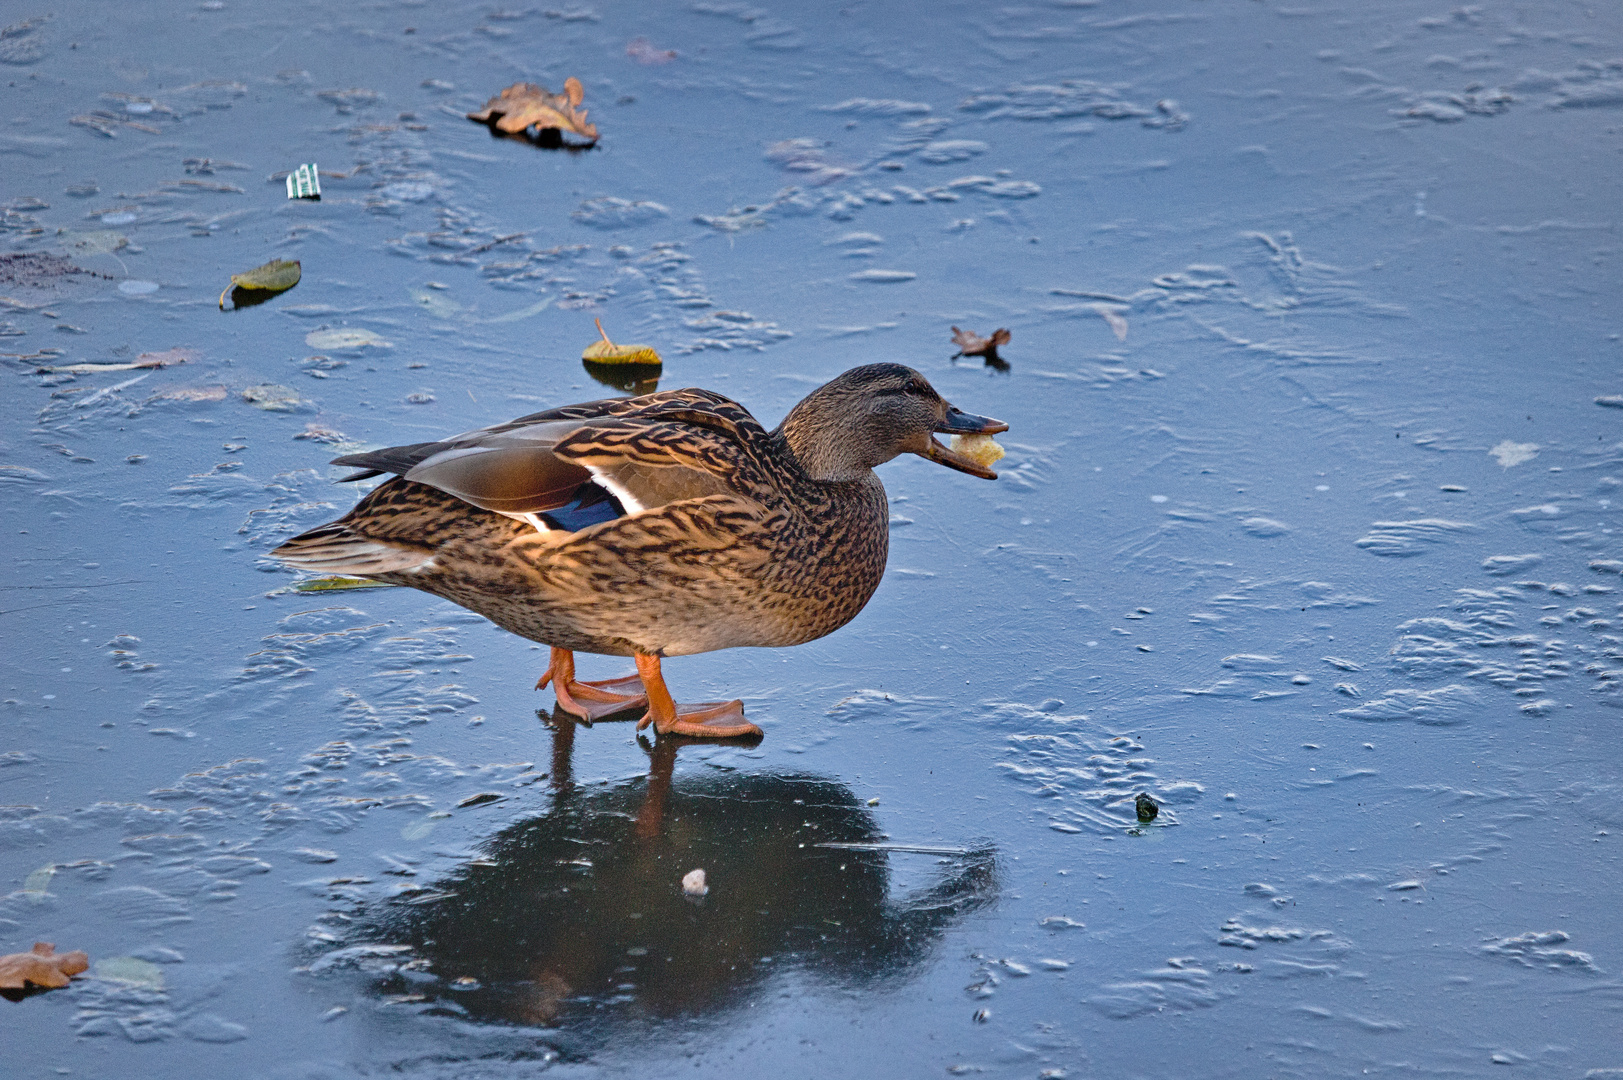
(591, 700)
(709, 719)
(705, 720)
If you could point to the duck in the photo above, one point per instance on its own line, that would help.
(663, 525)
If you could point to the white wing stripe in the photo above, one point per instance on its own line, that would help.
(617, 489)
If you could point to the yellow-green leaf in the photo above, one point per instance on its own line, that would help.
(278, 275)
(607, 352)
(339, 584)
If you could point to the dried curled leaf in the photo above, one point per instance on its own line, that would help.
(972, 344)
(525, 105)
(167, 358)
(276, 276)
(981, 449)
(42, 967)
(607, 352)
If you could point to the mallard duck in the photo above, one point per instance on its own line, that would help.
(653, 526)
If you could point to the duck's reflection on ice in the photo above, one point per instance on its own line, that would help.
(631, 378)
(579, 916)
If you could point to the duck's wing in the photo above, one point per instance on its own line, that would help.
(563, 470)
(400, 460)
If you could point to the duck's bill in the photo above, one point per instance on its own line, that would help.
(954, 460)
(958, 422)
(962, 423)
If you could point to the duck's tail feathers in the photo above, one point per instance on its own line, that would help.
(336, 549)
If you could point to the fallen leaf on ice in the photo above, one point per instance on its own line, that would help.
(276, 276)
(525, 105)
(607, 352)
(972, 344)
(167, 358)
(42, 967)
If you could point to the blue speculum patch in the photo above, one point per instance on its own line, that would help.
(592, 506)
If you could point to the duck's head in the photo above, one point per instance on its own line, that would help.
(873, 413)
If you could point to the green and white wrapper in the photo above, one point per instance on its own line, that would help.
(304, 183)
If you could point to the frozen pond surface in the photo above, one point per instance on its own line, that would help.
(1308, 528)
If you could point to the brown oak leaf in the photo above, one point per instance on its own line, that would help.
(42, 967)
(525, 105)
(972, 344)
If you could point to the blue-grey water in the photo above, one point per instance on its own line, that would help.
(1308, 528)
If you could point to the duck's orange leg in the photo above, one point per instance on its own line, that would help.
(590, 700)
(710, 719)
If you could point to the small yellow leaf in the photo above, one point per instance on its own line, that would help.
(278, 275)
(607, 352)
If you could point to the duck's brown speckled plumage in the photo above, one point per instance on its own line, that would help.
(733, 535)
(778, 560)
